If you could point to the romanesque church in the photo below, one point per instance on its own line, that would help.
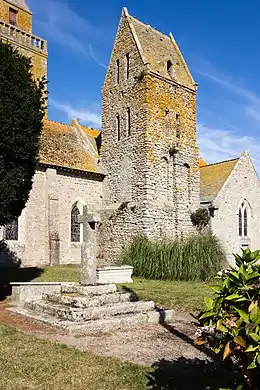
(142, 173)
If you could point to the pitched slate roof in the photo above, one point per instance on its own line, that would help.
(20, 4)
(158, 48)
(69, 146)
(213, 177)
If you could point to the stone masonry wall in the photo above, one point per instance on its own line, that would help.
(148, 189)
(242, 184)
(47, 216)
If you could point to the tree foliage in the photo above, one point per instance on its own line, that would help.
(231, 322)
(200, 218)
(22, 105)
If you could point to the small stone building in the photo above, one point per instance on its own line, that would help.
(144, 175)
(231, 192)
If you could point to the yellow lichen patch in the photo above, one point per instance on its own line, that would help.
(213, 177)
(61, 146)
(202, 162)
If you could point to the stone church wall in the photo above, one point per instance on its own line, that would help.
(243, 184)
(46, 217)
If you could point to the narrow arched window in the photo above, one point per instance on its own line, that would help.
(74, 224)
(118, 127)
(243, 215)
(11, 230)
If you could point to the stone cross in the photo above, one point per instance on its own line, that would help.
(90, 222)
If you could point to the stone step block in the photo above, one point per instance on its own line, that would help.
(88, 290)
(92, 313)
(103, 325)
(87, 301)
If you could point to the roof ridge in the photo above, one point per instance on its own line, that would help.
(60, 123)
(148, 25)
(220, 162)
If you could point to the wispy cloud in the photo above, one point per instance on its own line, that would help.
(247, 100)
(87, 116)
(217, 144)
(61, 24)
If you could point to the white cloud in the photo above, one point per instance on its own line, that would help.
(87, 116)
(218, 144)
(249, 100)
(64, 26)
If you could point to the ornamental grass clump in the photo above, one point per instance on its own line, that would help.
(230, 325)
(197, 257)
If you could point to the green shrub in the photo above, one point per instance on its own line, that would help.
(231, 322)
(197, 257)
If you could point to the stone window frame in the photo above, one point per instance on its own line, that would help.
(118, 128)
(13, 228)
(169, 67)
(244, 218)
(117, 71)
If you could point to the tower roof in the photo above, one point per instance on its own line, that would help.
(158, 49)
(20, 4)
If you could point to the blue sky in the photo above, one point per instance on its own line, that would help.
(219, 41)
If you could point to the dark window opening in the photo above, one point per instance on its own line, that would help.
(13, 16)
(75, 225)
(169, 68)
(240, 222)
(128, 122)
(177, 125)
(11, 231)
(245, 223)
(117, 70)
(127, 65)
(118, 127)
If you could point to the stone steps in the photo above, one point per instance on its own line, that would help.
(91, 313)
(122, 321)
(83, 310)
(84, 302)
(88, 290)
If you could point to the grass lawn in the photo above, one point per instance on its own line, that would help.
(182, 296)
(28, 363)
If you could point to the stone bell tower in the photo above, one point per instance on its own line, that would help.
(16, 28)
(148, 138)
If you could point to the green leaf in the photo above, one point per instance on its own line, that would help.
(251, 366)
(209, 303)
(233, 297)
(207, 314)
(243, 315)
(255, 315)
(215, 288)
(254, 336)
(252, 349)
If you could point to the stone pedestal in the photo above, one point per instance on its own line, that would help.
(89, 248)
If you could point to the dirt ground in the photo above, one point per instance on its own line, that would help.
(144, 344)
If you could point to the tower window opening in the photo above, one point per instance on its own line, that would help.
(169, 68)
(127, 65)
(178, 125)
(118, 127)
(117, 71)
(128, 122)
(13, 16)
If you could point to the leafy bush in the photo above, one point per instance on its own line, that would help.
(200, 218)
(231, 322)
(193, 258)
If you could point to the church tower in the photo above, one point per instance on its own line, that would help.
(149, 146)
(16, 28)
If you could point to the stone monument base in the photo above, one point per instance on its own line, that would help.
(83, 310)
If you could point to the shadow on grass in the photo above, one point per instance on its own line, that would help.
(11, 271)
(193, 374)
